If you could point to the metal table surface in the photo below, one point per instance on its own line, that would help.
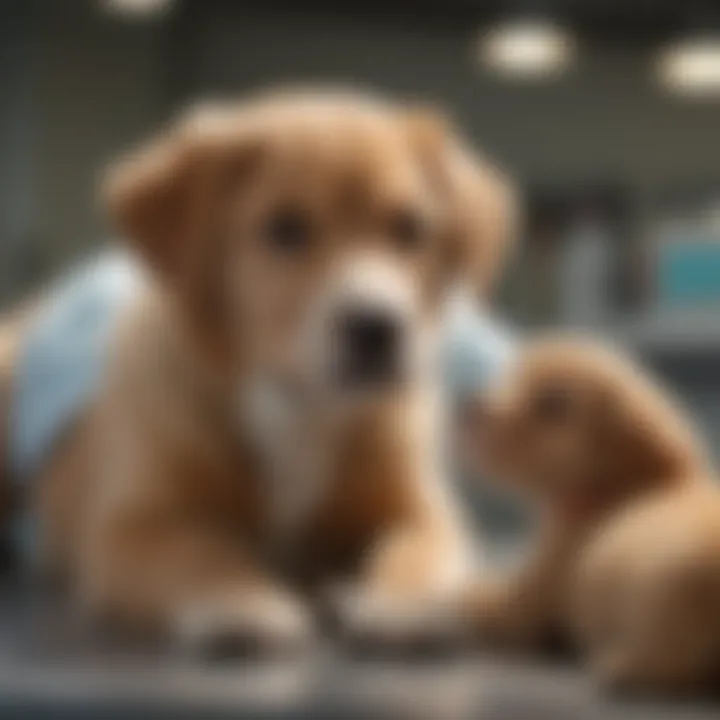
(53, 667)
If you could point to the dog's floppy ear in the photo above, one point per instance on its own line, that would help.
(645, 438)
(163, 195)
(481, 208)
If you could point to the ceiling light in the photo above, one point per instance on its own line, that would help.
(137, 8)
(692, 66)
(529, 49)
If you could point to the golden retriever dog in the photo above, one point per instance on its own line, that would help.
(266, 426)
(627, 564)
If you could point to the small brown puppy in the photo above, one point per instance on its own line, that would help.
(628, 563)
(265, 423)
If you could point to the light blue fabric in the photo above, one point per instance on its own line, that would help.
(65, 353)
(475, 348)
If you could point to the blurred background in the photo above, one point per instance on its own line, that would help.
(607, 112)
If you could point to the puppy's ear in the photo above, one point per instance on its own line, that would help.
(645, 438)
(480, 204)
(162, 197)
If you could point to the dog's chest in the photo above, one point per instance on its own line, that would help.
(298, 459)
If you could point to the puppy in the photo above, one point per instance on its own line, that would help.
(628, 559)
(265, 425)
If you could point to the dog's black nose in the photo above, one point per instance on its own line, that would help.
(369, 344)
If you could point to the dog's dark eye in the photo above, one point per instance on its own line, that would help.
(552, 405)
(289, 230)
(408, 229)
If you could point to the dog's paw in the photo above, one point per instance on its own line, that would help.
(244, 623)
(371, 623)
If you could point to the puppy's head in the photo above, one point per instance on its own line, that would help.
(573, 422)
(311, 236)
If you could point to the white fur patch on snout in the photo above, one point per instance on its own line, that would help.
(372, 281)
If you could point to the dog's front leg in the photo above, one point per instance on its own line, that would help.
(421, 551)
(403, 599)
(191, 583)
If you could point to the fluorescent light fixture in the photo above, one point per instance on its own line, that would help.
(531, 49)
(137, 8)
(692, 66)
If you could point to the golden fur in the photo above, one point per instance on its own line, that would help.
(158, 506)
(628, 559)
